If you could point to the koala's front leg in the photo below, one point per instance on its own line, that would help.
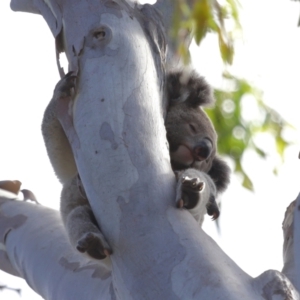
(196, 192)
(80, 222)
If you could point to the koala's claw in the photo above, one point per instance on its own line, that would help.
(193, 184)
(190, 189)
(94, 245)
(212, 208)
(64, 86)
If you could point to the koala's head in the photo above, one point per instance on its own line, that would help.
(190, 133)
(191, 137)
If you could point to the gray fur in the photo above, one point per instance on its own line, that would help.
(189, 92)
(189, 129)
(203, 189)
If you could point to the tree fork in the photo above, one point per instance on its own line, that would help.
(117, 50)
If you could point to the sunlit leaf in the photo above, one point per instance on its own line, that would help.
(260, 152)
(247, 183)
(226, 50)
(281, 144)
(234, 10)
(202, 16)
(226, 124)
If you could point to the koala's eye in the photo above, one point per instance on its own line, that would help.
(192, 127)
(100, 34)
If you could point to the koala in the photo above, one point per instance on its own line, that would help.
(80, 223)
(192, 138)
(192, 152)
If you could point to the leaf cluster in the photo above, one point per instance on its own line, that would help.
(198, 17)
(237, 133)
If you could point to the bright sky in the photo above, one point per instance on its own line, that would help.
(268, 55)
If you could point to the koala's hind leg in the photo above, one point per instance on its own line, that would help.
(196, 192)
(85, 234)
(80, 222)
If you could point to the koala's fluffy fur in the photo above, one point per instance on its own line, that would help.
(185, 93)
(190, 133)
(196, 192)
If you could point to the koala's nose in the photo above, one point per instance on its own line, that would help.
(203, 149)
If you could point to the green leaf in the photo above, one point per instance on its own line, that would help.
(236, 134)
(260, 152)
(247, 183)
(201, 16)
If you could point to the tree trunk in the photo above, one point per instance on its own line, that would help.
(120, 147)
(291, 246)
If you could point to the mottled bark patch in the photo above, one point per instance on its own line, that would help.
(5, 264)
(106, 133)
(8, 224)
(99, 271)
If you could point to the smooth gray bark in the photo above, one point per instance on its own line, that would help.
(34, 246)
(288, 247)
(296, 247)
(291, 247)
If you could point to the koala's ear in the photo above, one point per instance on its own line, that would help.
(187, 86)
(220, 174)
(174, 87)
(200, 91)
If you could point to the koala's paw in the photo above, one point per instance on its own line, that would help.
(65, 85)
(94, 245)
(191, 187)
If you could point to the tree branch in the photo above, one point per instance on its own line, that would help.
(36, 248)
